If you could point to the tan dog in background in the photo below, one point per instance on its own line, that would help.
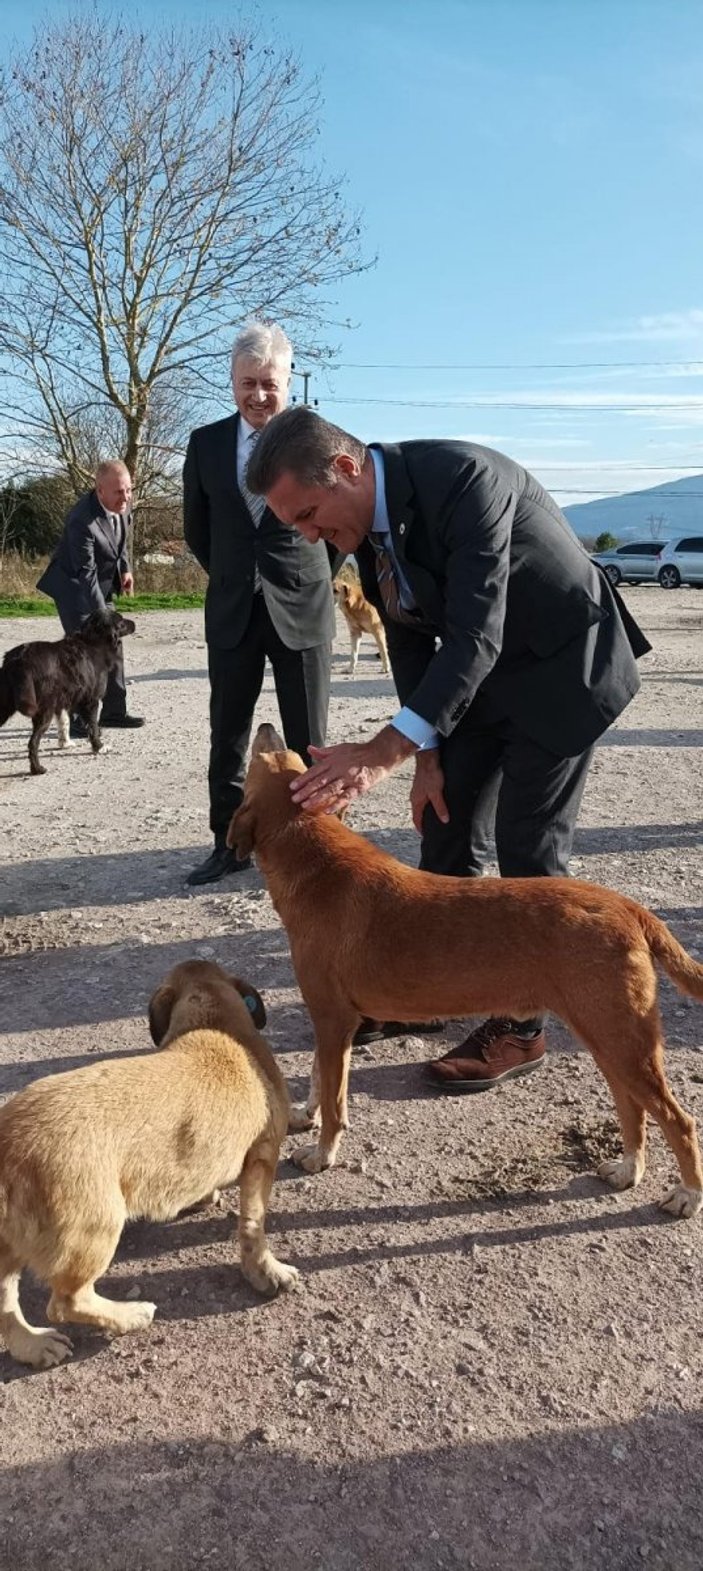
(361, 617)
(369, 936)
(81, 1153)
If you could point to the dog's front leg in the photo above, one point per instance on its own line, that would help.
(94, 733)
(306, 1115)
(334, 1056)
(354, 658)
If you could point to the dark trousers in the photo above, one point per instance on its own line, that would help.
(115, 699)
(536, 797)
(302, 681)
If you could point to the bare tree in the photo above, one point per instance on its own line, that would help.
(155, 190)
(657, 525)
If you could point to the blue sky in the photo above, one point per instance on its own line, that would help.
(530, 174)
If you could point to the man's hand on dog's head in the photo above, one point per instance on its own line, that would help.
(340, 774)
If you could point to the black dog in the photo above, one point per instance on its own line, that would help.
(44, 680)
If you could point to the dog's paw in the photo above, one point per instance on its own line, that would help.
(41, 1349)
(299, 1118)
(623, 1174)
(683, 1202)
(271, 1275)
(131, 1317)
(311, 1159)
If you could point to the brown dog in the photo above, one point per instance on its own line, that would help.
(360, 617)
(369, 936)
(82, 1152)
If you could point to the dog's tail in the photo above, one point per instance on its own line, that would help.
(8, 702)
(685, 972)
(16, 688)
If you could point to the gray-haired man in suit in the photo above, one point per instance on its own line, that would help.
(269, 592)
(89, 566)
(536, 658)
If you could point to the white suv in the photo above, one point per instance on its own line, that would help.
(681, 562)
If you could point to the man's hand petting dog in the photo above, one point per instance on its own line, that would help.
(340, 774)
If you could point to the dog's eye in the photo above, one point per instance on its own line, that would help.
(251, 1002)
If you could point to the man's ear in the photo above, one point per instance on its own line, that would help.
(241, 836)
(160, 1008)
(252, 999)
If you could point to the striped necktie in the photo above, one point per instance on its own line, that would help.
(389, 588)
(255, 504)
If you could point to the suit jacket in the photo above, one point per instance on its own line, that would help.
(295, 576)
(524, 617)
(89, 560)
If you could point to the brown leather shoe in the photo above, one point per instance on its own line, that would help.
(492, 1053)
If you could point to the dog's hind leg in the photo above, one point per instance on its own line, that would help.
(38, 1346)
(40, 726)
(259, 1266)
(635, 1059)
(63, 728)
(679, 1131)
(72, 1281)
(628, 1171)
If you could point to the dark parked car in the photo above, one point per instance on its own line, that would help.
(634, 563)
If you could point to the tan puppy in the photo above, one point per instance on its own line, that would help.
(81, 1153)
(360, 617)
(369, 936)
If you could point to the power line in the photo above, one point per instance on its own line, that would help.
(520, 365)
(487, 403)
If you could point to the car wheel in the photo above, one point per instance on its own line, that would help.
(669, 578)
(614, 574)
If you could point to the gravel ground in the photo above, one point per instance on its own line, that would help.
(494, 1361)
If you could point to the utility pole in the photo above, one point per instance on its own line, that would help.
(306, 375)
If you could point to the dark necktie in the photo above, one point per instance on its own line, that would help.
(389, 588)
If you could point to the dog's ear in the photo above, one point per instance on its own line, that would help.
(241, 835)
(252, 999)
(160, 1009)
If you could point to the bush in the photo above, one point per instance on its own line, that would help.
(32, 515)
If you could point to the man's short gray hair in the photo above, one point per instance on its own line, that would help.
(300, 443)
(109, 467)
(262, 342)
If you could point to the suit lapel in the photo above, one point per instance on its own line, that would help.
(406, 533)
(107, 532)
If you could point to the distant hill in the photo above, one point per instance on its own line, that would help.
(678, 502)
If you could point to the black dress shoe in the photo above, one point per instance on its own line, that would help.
(382, 1030)
(122, 722)
(77, 729)
(219, 864)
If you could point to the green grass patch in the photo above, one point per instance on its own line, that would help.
(21, 605)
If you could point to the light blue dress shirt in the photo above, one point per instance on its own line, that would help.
(406, 721)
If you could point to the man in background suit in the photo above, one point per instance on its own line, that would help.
(89, 566)
(269, 591)
(536, 657)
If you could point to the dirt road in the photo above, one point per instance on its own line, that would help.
(494, 1361)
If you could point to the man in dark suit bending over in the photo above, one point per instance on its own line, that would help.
(536, 657)
(269, 592)
(89, 566)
